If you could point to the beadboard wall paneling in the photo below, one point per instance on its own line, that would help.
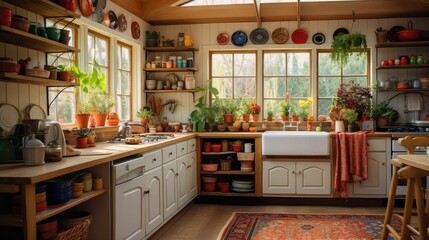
(204, 37)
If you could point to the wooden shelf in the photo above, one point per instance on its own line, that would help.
(402, 44)
(403, 66)
(45, 8)
(14, 220)
(171, 91)
(404, 90)
(24, 39)
(218, 153)
(170, 49)
(171, 69)
(11, 77)
(232, 194)
(232, 172)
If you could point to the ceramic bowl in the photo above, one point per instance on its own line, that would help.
(150, 84)
(20, 23)
(209, 179)
(209, 167)
(53, 33)
(57, 185)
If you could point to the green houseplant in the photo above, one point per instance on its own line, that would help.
(205, 112)
(145, 114)
(383, 113)
(345, 45)
(82, 138)
(63, 72)
(229, 107)
(100, 105)
(152, 39)
(284, 108)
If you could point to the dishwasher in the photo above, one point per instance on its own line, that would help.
(127, 197)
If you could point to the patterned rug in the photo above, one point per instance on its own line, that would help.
(276, 226)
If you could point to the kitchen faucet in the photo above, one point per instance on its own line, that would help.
(290, 116)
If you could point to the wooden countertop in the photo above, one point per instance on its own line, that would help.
(416, 161)
(20, 174)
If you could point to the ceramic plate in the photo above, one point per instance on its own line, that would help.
(299, 36)
(135, 30)
(9, 116)
(86, 7)
(99, 13)
(259, 36)
(239, 38)
(113, 20)
(122, 23)
(173, 78)
(222, 38)
(391, 34)
(280, 35)
(35, 112)
(318, 38)
(242, 190)
(340, 31)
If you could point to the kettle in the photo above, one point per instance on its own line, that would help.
(55, 134)
(33, 151)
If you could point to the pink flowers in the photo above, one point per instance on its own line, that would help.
(255, 108)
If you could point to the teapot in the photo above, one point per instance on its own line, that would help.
(33, 151)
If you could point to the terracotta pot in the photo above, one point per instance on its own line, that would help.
(255, 117)
(269, 119)
(91, 139)
(246, 117)
(228, 118)
(63, 76)
(382, 122)
(285, 118)
(5, 16)
(112, 122)
(295, 118)
(82, 142)
(82, 120)
(223, 187)
(100, 119)
(144, 120)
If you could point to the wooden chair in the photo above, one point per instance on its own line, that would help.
(405, 172)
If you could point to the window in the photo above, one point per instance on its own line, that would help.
(330, 75)
(285, 71)
(98, 50)
(63, 105)
(123, 82)
(234, 73)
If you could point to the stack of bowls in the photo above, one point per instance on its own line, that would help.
(243, 185)
(209, 183)
(41, 203)
(87, 182)
(424, 82)
(150, 84)
(77, 188)
(58, 191)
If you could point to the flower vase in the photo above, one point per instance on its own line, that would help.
(255, 117)
(339, 126)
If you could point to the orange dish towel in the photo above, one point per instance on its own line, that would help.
(351, 161)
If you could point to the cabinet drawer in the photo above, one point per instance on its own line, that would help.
(182, 148)
(192, 145)
(169, 153)
(152, 159)
(376, 144)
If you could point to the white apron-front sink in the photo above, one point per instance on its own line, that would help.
(293, 143)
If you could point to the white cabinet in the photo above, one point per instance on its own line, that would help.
(153, 198)
(187, 188)
(376, 184)
(170, 176)
(290, 177)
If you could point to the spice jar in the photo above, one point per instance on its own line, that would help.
(53, 152)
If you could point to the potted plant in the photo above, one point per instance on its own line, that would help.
(270, 115)
(152, 39)
(382, 113)
(91, 138)
(100, 105)
(145, 115)
(228, 107)
(206, 112)
(245, 108)
(350, 117)
(82, 139)
(285, 108)
(63, 72)
(255, 109)
(381, 34)
(345, 45)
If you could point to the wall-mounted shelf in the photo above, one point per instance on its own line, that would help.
(11, 77)
(171, 91)
(28, 40)
(403, 66)
(405, 90)
(170, 49)
(402, 44)
(170, 69)
(44, 8)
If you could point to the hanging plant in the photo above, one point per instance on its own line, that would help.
(345, 45)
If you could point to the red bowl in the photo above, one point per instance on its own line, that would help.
(209, 167)
(41, 206)
(216, 147)
(209, 187)
(408, 35)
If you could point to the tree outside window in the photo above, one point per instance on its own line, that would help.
(123, 82)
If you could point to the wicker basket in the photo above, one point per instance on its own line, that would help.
(243, 156)
(75, 233)
(225, 164)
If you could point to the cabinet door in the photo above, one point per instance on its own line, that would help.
(170, 188)
(129, 210)
(183, 180)
(192, 174)
(169, 153)
(376, 182)
(153, 198)
(313, 177)
(182, 148)
(278, 177)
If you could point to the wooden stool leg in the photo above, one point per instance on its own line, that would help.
(420, 209)
(405, 232)
(390, 203)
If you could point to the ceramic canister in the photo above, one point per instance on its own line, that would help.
(248, 147)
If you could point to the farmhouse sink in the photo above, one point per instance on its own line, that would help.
(294, 143)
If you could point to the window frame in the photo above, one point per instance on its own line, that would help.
(120, 44)
(109, 66)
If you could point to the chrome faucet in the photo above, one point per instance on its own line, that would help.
(290, 116)
(297, 126)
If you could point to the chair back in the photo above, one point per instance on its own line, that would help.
(412, 142)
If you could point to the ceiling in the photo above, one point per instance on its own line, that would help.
(167, 12)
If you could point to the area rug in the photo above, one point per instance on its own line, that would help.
(276, 226)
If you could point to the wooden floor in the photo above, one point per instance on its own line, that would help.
(199, 221)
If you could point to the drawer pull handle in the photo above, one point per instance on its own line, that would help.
(293, 172)
(170, 154)
(183, 149)
(154, 160)
(177, 174)
(383, 164)
(146, 192)
(299, 172)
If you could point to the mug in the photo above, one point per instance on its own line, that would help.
(339, 126)
(248, 147)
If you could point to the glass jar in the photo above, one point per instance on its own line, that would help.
(158, 63)
(53, 152)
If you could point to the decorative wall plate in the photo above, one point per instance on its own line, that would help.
(135, 30)
(340, 31)
(222, 38)
(122, 23)
(113, 20)
(9, 116)
(239, 38)
(280, 35)
(318, 38)
(99, 13)
(299, 36)
(86, 7)
(259, 36)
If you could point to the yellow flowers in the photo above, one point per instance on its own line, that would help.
(305, 107)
